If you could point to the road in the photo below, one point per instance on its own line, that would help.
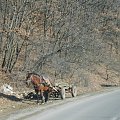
(105, 106)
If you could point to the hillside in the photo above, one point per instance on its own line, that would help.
(74, 41)
(69, 40)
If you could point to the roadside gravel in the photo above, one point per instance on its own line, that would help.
(19, 110)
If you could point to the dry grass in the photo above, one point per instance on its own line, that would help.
(95, 81)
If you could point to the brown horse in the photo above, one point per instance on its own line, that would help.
(41, 86)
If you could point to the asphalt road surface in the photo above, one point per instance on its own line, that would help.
(104, 106)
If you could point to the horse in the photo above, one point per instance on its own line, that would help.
(41, 86)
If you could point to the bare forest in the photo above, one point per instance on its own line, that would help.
(77, 41)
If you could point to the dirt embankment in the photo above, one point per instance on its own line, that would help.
(15, 101)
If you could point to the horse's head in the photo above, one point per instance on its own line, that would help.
(28, 79)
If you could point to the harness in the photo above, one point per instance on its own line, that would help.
(40, 85)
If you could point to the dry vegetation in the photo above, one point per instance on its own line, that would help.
(76, 41)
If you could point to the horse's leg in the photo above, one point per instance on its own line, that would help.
(37, 98)
(37, 91)
(42, 96)
(37, 94)
(46, 94)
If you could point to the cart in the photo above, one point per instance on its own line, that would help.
(60, 90)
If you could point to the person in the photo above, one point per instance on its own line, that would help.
(48, 83)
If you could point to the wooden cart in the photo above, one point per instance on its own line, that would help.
(62, 88)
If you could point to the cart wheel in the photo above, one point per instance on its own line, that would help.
(62, 93)
(74, 91)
